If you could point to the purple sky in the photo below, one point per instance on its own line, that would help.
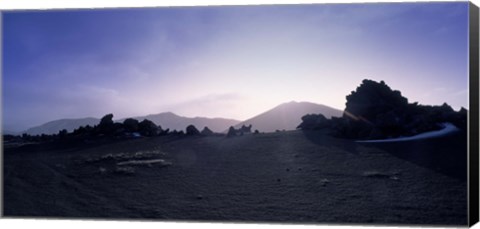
(231, 62)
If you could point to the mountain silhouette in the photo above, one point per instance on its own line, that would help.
(287, 116)
(53, 127)
(169, 120)
(165, 120)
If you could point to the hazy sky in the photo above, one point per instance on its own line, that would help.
(231, 62)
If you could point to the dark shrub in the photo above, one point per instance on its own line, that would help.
(106, 120)
(106, 125)
(313, 122)
(206, 131)
(163, 132)
(9, 137)
(130, 125)
(459, 119)
(62, 133)
(192, 130)
(245, 129)
(80, 131)
(231, 132)
(147, 128)
(119, 129)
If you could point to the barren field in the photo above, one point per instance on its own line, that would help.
(293, 176)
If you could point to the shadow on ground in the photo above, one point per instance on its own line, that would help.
(446, 154)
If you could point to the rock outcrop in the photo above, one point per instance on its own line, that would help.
(375, 111)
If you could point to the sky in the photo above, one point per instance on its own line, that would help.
(231, 61)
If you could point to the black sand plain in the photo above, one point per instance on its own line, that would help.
(293, 176)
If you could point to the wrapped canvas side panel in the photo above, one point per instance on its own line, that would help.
(473, 116)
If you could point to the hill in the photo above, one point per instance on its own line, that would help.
(53, 127)
(9, 132)
(176, 122)
(166, 120)
(287, 116)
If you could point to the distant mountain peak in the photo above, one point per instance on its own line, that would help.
(69, 124)
(170, 113)
(294, 102)
(162, 113)
(287, 116)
